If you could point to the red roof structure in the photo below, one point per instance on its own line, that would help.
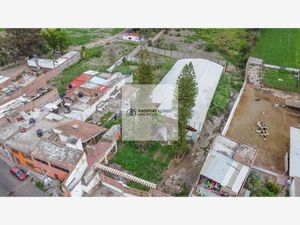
(133, 34)
(81, 79)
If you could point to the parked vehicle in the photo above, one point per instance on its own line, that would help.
(19, 173)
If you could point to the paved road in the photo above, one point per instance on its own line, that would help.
(11, 186)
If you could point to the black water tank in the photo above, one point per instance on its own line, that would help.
(70, 86)
(39, 133)
(80, 94)
(31, 120)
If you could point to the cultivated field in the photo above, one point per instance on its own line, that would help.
(279, 47)
(257, 105)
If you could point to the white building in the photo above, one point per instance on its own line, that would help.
(135, 37)
(207, 74)
(50, 63)
(294, 165)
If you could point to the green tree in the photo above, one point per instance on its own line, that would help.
(144, 71)
(185, 94)
(20, 43)
(57, 39)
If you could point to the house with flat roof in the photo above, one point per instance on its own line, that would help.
(78, 134)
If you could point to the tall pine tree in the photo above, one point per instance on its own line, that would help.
(144, 71)
(186, 93)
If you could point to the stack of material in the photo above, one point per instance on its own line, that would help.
(262, 128)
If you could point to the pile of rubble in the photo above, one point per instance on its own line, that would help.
(262, 128)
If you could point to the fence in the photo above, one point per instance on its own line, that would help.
(119, 187)
(181, 55)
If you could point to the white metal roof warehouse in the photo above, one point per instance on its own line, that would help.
(294, 168)
(207, 74)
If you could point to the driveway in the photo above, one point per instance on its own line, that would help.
(11, 186)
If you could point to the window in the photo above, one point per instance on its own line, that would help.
(41, 161)
(59, 168)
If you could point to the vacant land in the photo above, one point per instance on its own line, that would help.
(279, 47)
(161, 65)
(81, 36)
(98, 58)
(230, 43)
(257, 105)
(281, 79)
(146, 161)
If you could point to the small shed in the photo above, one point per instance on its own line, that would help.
(135, 37)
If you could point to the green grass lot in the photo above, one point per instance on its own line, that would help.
(279, 47)
(281, 79)
(147, 162)
(81, 36)
(228, 42)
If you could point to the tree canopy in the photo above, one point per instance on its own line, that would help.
(57, 39)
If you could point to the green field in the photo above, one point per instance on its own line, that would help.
(279, 47)
(147, 162)
(81, 36)
(281, 79)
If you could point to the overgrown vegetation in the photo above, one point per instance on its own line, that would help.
(41, 186)
(146, 161)
(221, 97)
(185, 191)
(261, 188)
(279, 47)
(281, 79)
(233, 44)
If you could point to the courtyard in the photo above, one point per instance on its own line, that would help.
(267, 106)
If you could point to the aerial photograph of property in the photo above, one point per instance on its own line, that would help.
(149, 112)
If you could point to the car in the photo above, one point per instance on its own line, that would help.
(19, 173)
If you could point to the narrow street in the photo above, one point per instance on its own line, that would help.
(11, 186)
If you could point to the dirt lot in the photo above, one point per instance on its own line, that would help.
(258, 105)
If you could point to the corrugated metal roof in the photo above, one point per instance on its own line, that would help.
(91, 72)
(97, 80)
(294, 152)
(224, 170)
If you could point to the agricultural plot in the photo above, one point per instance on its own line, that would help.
(281, 79)
(279, 47)
(80, 36)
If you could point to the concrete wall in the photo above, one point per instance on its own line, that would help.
(76, 175)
